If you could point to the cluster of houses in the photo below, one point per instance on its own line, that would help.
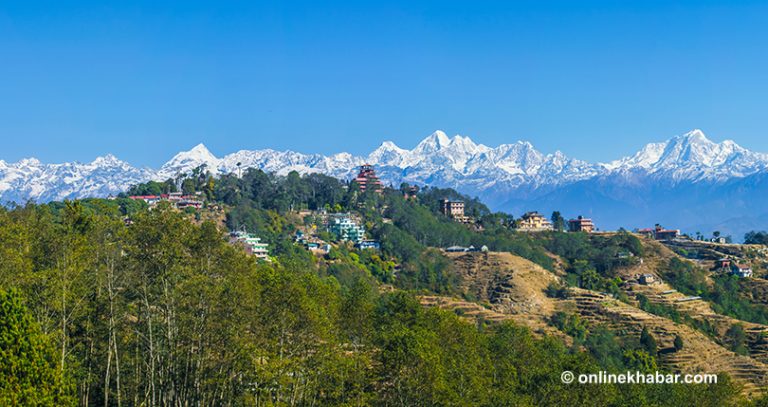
(535, 222)
(312, 243)
(178, 199)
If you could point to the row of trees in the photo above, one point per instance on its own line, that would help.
(165, 312)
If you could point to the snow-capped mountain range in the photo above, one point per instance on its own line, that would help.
(509, 176)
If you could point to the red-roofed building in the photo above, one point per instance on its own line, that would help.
(659, 233)
(367, 179)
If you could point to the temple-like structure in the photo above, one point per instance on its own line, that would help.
(367, 179)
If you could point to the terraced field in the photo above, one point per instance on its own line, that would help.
(511, 288)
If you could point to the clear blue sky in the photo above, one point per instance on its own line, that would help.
(595, 79)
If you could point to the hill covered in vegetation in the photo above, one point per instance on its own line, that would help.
(130, 305)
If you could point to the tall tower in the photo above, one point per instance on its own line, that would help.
(368, 180)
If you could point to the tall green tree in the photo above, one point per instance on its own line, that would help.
(558, 222)
(29, 374)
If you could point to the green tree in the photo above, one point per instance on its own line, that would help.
(558, 222)
(755, 237)
(28, 362)
(736, 339)
(590, 280)
(640, 360)
(648, 342)
(678, 343)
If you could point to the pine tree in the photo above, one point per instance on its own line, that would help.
(558, 222)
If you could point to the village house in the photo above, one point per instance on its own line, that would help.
(659, 233)
(647, 279)
(368, 244)
(533, 221)
(581, 224)
(741, 270)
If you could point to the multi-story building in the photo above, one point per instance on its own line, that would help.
(534, 221)
(581, 224)
(346, 229)
(368, 180)
(252, 244)
(452, 209)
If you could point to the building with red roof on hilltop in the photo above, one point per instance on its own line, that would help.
(367, 179)
(581, 224)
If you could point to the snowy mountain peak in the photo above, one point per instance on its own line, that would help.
(456, 162)
(433, 142)
(108, 160)
(388, 145)
(186, 161)
(692, 156)
(202, 151)
(695, 135)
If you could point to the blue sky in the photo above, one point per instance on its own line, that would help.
(595, 79)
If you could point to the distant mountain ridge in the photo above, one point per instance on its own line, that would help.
(513, 177)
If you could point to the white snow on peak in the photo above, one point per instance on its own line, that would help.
(185, 162)
(692, 156)
(438, 160)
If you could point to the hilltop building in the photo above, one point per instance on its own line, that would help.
(368, 180)
(581, 224)
(253, 244)
(659, 233)
(534, 221)
(451, 209)
(454, 210)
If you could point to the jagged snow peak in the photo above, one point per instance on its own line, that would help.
(186, 161)
(692, 156)
(437, 160)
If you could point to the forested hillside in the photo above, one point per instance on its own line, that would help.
(108, 302)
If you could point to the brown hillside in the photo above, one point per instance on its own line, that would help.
(512, 288)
